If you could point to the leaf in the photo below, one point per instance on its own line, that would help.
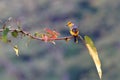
(94, 54)
(53, 42)
(45, 38)
(14, 33)
(15, 48)
(9, 19)
(52, 33)
(4, 35)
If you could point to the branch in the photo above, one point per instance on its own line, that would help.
(50, 36)
(37, 38)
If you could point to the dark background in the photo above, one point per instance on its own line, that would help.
(100, 19)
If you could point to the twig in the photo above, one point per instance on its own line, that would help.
(37, 38)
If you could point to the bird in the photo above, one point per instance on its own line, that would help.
(74, 31)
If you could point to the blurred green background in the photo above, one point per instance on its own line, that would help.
(100, 19)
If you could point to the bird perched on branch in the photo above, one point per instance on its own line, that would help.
(73, 31)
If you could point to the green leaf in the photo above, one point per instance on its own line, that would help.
(4, 34)
(89, 41)
(94, 54)
(14, 33)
